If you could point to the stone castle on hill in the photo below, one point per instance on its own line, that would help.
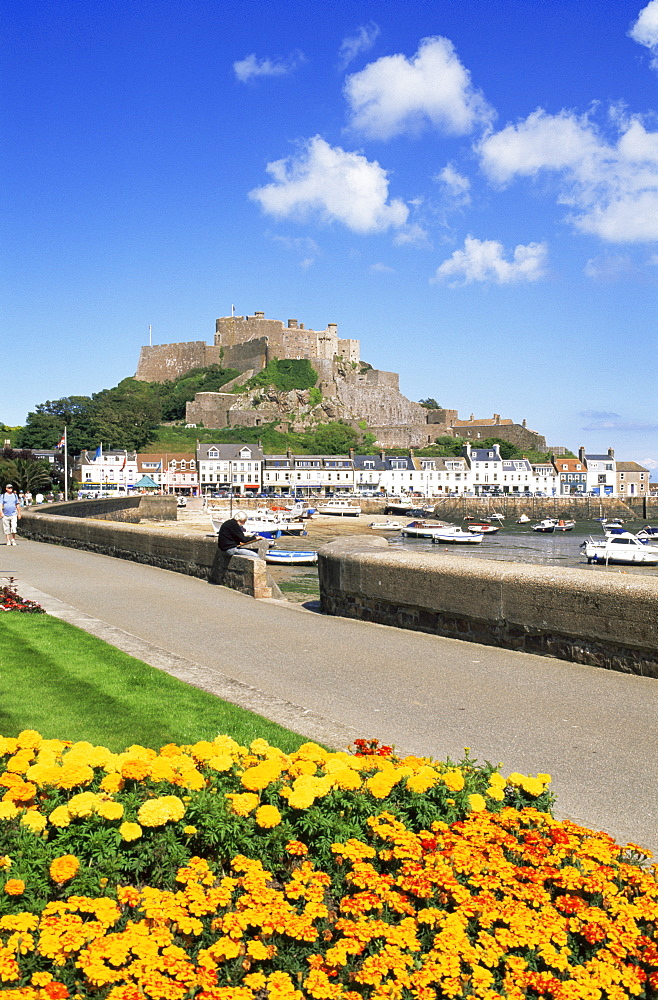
(352, 390)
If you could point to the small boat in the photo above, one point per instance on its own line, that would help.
(426, 529)
(386, 525)
(547, 525)
(524, 519)
(562, 525)
(484, 527)
(497, 517)
(610, 522)
(289, 557)
(457, 536)
(264, 528)
(620, 549)
(647, 532)
(340, 507)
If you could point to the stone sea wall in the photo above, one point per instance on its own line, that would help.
(608, 621)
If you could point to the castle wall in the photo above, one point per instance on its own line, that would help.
(516, 434)
(165, 362)
(379, 405)
(243, 356)
(441, 416)
(209, 409)
(291, 341)
(403, 436)
(349, 349)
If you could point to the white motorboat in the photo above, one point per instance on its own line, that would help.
(264, 527)
(340, 507)
(647, 532)
(386, 525)
(289, 557)
(564, 525)
(524, 519)
(457, 536)
(622, 549)
(426, 529)
(547, 525)
(484, 527)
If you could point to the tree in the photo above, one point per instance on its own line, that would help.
(24, 471)
(45, 425)
(507, 449)
(449, 445)
(430, 403)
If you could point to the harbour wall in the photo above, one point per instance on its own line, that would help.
(182, 552)
(603, 620)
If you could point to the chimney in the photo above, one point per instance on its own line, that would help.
(352, 454)
(332, 327)
(382, 455)
(611, 452)
(496, 418)
(411, 453)
(581, 454)
(292, 324)
(523, 423)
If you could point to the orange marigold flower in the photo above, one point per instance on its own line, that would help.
(268, 816)
(64, 868)
(296, 848)
(15, 887)
(136, 770)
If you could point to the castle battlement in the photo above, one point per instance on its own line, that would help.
(271, 339)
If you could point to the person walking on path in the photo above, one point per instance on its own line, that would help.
(11, 513)
(232, 539)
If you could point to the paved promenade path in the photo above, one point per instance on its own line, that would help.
(332, 679)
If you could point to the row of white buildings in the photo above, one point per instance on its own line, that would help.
(245, 470)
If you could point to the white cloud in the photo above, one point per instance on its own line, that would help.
(380, 268)
(336, 185)
(362, 40)
(412, 235)
(456, 188)
(649, 463)
(250, 67)
(299, 245)
(612, 188)
(395, 95)
(609, 267)
(483, 260)
(604, 420)
(645, 30)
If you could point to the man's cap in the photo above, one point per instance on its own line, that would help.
(9, 486)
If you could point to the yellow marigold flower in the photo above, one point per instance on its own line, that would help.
(515, 778)
(21, 791)
(60, 816)
(268, 816)
(258, 951)
(476, 803)
(301, 799)
(29, 738)
(19, 763)
(130, 831)
(311, 751)
(8, 810)
(262, 775)
(15, 887)
(255, 981)
(8, 745)
(299, 767)
(496, 778)
(175, 807)
(153, 813)
(453, 779)
(532, 786)
(41, 978)
(109, 810)
(544, 778)
(296, 848)
(381, 784)
(64, 868)
(346, 778)
(75, 774)
(112, 783)
(242, 803)
(44, 773)
(83, 805)
(135, 770)
(189, 831)
(221, 762)
(422, 780)
(34, 821)
(5, 861)
(496, 792)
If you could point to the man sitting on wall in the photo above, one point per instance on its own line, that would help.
(232, 538)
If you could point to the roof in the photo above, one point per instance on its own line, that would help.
(484, 422)
(168, 456)
(146, 483)
(230, 452)
(630, 467)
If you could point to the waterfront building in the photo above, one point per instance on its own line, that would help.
(486, 468)
(235, 467)
(632, 480)
(518, 476)
(572, 474)
(111, 471)
(546, 478)
(601, 474)
(173, 472)
(306, 474)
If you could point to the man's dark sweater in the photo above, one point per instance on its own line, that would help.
(231, 535)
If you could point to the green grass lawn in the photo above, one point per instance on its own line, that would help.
(67, 684)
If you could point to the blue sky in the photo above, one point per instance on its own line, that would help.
(469, 187)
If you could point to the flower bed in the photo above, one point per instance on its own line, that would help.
(11, 601)
(222, 872)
